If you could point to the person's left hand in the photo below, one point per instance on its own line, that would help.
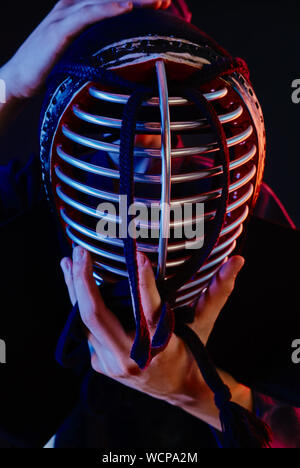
(172, 375)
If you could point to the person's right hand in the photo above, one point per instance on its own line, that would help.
(26, 72)
(173, 375)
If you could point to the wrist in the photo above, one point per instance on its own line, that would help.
(198, 399)
(243, 396)
(192, 392)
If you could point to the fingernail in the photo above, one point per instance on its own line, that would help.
(141, 258)
(65, 265)
(126, 5)
(78, 253)
(232, 267)
(62, 264)
(242, 263)
(237, 264)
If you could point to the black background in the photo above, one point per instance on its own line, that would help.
(266, 34)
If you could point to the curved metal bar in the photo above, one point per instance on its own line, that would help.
(221, 258)
(199, 281)
(243, 181)
(231, 116)
(121, 259)
(212, 147)
(113, 197)
(190, 295)
(152, 126)
(210, 216)
(217, 193)
(207, 266)
(99, 280)
(110, 269)
(154, 153)
(233, 206)
(225, 244)
(226, 230)
(143, 247)
(164, 232)
(95, 250)
(219, 248)
(82, 208)
(85, 166)
(191, 302)
(140, 126)
(173, 101)
(155, 179)
(101, 194)
(75, 184)
(147, 248)
(174, 224)
(89, 232)
(240, 161)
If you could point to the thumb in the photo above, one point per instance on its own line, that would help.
(214, 299)
(151, 301)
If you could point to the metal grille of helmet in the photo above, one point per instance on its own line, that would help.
(83, 168)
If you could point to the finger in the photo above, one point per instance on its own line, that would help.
(156, 4)
(97, 364)
(103, 5)
(101, 322)
(166, 4)
(113, 365)
(214, 299)
(66, 266)
(96, 358)
(150, 297)
(85, 14)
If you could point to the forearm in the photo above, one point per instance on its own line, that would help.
(283, 420)
(12, 105)
(203, 406)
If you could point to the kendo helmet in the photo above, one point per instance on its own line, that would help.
(151, 76)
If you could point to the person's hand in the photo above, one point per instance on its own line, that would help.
(27, 71)
(173, 375)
